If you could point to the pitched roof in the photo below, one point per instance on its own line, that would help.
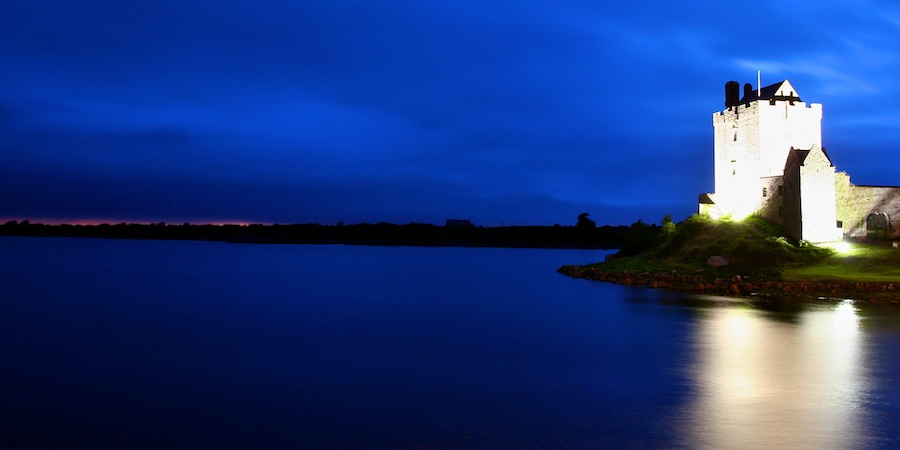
(781, 90)
(800, 156)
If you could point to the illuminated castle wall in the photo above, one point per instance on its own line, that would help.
(809, 202)
(769, 161)
(867, 210)
(757, 137)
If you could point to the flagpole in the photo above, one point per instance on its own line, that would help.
(758, 85)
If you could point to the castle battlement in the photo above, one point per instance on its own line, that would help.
(769, 161)
(734, 112)
(754, 137)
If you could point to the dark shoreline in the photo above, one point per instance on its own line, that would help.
(414, 234)
(747, 287)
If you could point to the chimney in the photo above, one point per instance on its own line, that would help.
(748, 91)
(731, 94)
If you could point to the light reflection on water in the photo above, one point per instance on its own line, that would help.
(764, 383)
(205, 345)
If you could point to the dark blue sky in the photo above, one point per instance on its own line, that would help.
(525, 112)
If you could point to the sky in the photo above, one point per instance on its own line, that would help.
(505, 113)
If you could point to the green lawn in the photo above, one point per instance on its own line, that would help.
(861, 262)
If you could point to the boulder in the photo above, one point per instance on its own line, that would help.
(717, 261)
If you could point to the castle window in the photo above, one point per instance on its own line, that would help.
(780, 189)
(765, 192)
(735, 136)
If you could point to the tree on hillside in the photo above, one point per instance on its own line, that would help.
(641, 237)
(585, 223)
(668, 228)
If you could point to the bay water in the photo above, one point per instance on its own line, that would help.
(168, 344)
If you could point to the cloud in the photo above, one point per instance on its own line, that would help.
(397, 110)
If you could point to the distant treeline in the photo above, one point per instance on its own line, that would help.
(602, 237)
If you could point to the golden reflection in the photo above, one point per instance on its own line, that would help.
(763, 383)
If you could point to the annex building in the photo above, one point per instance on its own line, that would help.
(769, 161)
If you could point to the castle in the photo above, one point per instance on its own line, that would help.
(769, 161)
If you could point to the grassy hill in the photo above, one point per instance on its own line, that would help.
(760, 260)
(752, 246)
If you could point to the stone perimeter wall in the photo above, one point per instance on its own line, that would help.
(855, 203)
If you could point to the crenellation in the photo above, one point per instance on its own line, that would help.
(769, 161)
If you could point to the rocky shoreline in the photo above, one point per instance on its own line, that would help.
(741, 286)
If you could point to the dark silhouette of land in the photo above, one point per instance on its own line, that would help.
(583, 235)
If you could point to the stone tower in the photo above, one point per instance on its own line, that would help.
(810, 210)
(754, 136)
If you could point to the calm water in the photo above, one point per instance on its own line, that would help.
(143, 344)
